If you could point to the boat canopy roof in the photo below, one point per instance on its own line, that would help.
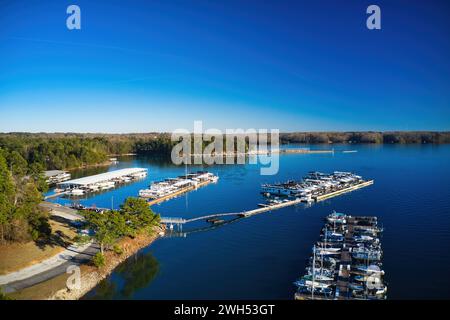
(102, 177)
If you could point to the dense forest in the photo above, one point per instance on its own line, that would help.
(21, 187)
(72, 150)
(66, 151)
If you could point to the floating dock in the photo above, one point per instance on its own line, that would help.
(304, 151)
(346, 262)
(179, 192)
(55, 176)
(98, 182)
(342, 191)
(270, 207)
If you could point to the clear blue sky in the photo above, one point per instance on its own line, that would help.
(140, 66)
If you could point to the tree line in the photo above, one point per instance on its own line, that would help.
(71, 150)
(399, 137)
(68, 151)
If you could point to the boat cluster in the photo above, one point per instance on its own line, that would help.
(103, 185)
(312, 185)
(172, 186)
(345, 262)
(56, 176)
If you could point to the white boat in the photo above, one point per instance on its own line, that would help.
(337, 217)
(173, 185)
(327, 252)
(106, 185)
(370, 269)
(94, 187)
(76, 192)
(309, 283)
(318, 277)
(139, 175)
(362, 238)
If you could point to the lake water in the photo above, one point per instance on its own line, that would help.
(259, 257)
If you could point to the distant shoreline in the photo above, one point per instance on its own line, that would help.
(305, 137)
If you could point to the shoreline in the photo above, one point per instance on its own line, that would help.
(91, 276)
(87, 166)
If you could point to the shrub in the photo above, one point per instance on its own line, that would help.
(99, 260)
(117, 249)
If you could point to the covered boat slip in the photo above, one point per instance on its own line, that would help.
(107, 177)
(56, 176)
(172, 187)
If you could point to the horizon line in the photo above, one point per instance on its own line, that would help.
(169, 132)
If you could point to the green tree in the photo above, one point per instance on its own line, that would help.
(6, 196)
(138, 214)
(18, 164)
(99, 260)
(36, 172)
(107, 226)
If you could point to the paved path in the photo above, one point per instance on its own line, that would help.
(61, 211)
(47, 269)
(54, 266)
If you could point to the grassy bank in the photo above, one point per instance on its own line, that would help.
(16, 256)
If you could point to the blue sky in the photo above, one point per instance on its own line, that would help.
(140, 66)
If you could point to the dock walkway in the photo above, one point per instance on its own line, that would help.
(345, 190)
(249, 213)
(170, 220)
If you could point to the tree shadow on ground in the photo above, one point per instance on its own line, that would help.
(57, 238)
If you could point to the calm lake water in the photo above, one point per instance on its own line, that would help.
(260, 257)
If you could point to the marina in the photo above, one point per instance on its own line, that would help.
(346, 261)
(317, 186)
(171, 187)
(98, 182)
(53, 177)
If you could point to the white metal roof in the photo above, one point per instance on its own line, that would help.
(51, 173)
(103, 177)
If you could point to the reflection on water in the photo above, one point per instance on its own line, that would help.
(136, 273)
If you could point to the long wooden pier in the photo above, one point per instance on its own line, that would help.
(270, 207)
(245, 214)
